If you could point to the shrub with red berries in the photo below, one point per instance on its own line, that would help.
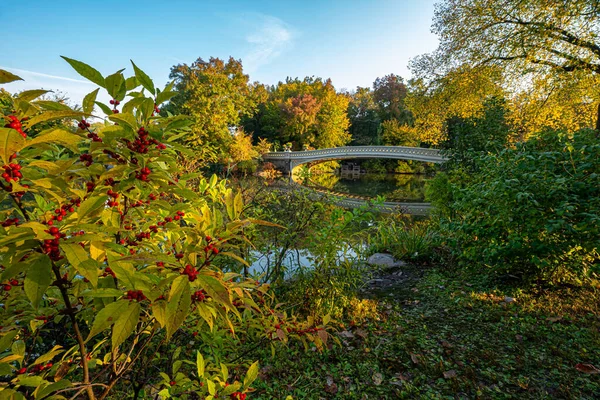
(102, 236)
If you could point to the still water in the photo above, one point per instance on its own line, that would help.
(394, 187)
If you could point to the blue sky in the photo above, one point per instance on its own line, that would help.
(352, 42)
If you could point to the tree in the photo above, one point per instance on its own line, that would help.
(364, 117)
(305, 112)
(389, 93)
(547, 37)
(216, 94)
(460, 92)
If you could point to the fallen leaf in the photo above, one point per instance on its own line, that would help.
(450, 374)
(587, 368)
(446, 344)
(509, 299)
(377, 379)
(330, 385)
(519, 337)
(361, 333)
(414, 358)
(346, 334)
(554, 319)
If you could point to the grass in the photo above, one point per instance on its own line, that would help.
(441, 335)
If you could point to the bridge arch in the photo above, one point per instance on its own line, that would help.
(287, 161)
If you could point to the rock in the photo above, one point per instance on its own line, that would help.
(386, 261)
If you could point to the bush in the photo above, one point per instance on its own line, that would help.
(110, 256)
(532, 211)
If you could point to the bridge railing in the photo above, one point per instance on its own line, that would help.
(355, 150)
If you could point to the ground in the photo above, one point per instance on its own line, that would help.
(441, 334)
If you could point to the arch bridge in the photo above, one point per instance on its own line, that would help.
(287, 161)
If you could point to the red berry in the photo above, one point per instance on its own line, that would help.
(22, 371)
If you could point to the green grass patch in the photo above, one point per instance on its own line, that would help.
(449, 336)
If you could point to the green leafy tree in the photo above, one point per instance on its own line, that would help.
(389, 94)
(216, 95)
(364, 118)
(549, 38)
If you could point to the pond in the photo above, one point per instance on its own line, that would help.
(394, 187)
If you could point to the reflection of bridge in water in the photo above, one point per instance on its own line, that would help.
(287, 161)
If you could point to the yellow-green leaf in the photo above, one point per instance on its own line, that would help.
(10, 143)
(143, 79)
(48, 116)
(28, 95)
(88, 101)
(178, 304)
(251, 375)
(38, 278)
(216, 290)
(90, 205)
(6, 77)
(200, 364)
(125, 324)
(57, 136)
(107, 317)
(81, 261)
(125, 118)
(86, 71)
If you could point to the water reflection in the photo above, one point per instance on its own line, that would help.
(394, 187)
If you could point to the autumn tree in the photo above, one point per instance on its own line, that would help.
(216, 94)
(389, 93)
(305, 112)
(549, 38)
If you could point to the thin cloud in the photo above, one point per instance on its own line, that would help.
(26, 72)
(268, 38)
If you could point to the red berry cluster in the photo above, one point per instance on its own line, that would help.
(62, 211)
(16, 125)
(143, 142)
(115, 103)
(90, 186)
(198, 296)
(10, 284)
(160, 264)
(12, 172)
(83, 125)
(211, 247)
(86, 159)
(191, 272)
(136, 295)
(45, 318)
(10, 221)
(238, 396)
(114, 196)
(109, 271)
(51, 245)
(143, 174)
(35, 369)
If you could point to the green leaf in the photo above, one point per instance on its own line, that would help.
(164, 96)
(58, 136)
(52, 105)
(123, 118)
(125, 324)
(131, 83)
(216, 290)
(251, 375)
(107, 317)
(10, 143)
(106, 109)
(86, 71)
(32, 381)
(143, 79)
(38, 279)
(178, 304)
(180, 121)
(28, 95)
(54, 115)
(200, 364)
(90, 206)
(235, 257)
(53, 387)
(115, 85)
(7, 339)
(6, 77)
(81, 261)
(56, 350)
(88, 101)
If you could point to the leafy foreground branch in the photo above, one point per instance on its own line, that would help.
(110, 256)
